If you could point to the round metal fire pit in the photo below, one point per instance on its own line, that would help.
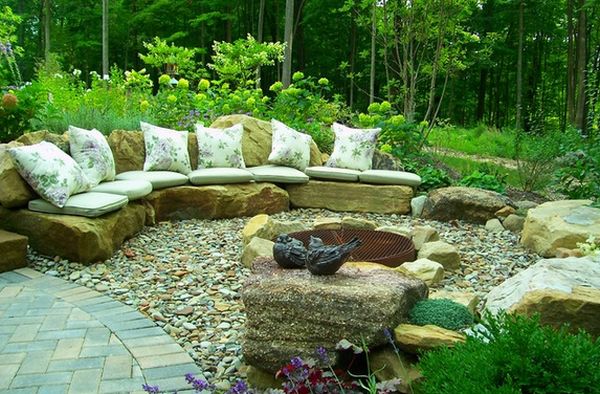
(377, 246)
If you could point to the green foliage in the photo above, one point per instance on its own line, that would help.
(442, 313)
(161, 54)
(9, 70)
(480, 140)
(484, 180)
(518, 355)
(578, 173)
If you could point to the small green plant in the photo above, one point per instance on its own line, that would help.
(161, 54)
(590, 247)
(515, 354)
(442, 313)
(484, 180)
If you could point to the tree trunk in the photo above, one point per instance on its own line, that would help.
(518, 115)
(286, 77)
(481, 94)
(373, 36)
(47, 19)
(105, 70)
(352, 60)
(261, 23)
(581, 110)
(571, 74)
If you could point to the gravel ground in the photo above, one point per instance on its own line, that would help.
(187, 277)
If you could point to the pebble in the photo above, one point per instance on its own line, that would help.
(187, 277)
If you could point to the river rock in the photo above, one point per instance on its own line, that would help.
(560, 224)
(428, 271)
(77, 238)
(217, 201)
(414, 339)
(560, 290)
(320, 310)
(350, 223)
(256, 142)
(442, 252)
(494, 225)
(264, 226)
(463, 203)
(14, 191)
(423, 234)
(257, 247)
(514, 223)
(416, 206)
(351, 197)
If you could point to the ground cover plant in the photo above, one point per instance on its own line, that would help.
(442, 313)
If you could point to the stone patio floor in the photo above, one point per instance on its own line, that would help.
(59, 337)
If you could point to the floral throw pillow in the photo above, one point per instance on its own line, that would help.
(90, 150)
(53, 174)
(220, 147)
(166, 149)
(290, 147)
(353, 148)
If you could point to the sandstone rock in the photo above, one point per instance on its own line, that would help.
(252, 226)
(323, 223)
(413, 338)
(14, 191)
(385, 161)
(365, 266)
(514, 223)
(505, 211)
(13, 249)
(442, 252)
(257, 247)
(79, 239)
(470, 300)
(525, 205)
(269, 228)
(388, 365)
(494, 225)
(407, 232)
(428, 271)
(416, 206)
(562, 253)
(256, 143)
(560, 224)
(217, 201)
(351, 197)
(463, 203)
(423, 234)
(36, 137)
(320, 310)
(350, 223)
(560, 290)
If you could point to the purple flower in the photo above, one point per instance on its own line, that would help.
(150, 389)
(322, 355)
(388, 335)
(297, 362)
(197, 384)
(240, 387)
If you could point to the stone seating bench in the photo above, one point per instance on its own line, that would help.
(89, 240)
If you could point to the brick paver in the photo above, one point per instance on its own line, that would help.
(58, 337)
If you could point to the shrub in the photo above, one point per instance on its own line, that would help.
(517, 355)
(484, 180)
(442, 313)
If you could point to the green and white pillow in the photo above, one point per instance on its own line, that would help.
(166, 149)
(290, 148)
(353, 148)
(90, 150)
(220, 147)
(53, 174)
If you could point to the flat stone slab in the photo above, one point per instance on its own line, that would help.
(13, 251)
(351, 197)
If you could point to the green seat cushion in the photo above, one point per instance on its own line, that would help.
(332, 173)
(132, 189)
(90, 204)
(388, 177)
(278, 174)
(219, 176)
(158, 179)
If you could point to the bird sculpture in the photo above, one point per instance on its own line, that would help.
(324, 259)
(289, 252)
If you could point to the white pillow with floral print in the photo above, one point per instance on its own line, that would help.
(53, 174)
(166, 149)
(353, 148)
(90, 150)
(220, 147)
(290, 148)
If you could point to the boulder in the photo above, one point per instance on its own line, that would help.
(385, 161)
(560, 290)
(514, 223)
(323, 223)
(463, 203)
(416, 206)
(414, 339)
(470, 300)
(217, 201)
(428, 271)
(256, 143)
(494, 225)
(560, 224)
(257, 247)
(350, 223)
(442, 252)
(13, 249)
(14, 191)
(423, 234)
(261, 379)
(525, 205)
(351, 197)
(562, 253)
(407, 232)
(291, 312)
(264, 226)
(36, 137)
(504, 212)
(252, 226)
(79, 239)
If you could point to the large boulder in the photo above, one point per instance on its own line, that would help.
(463, 203)
(217, 201)
(560, 224)
(13, 249)
(560, 290)
(80, 239)
(36, 137)
(257, 247)
(291, 312)
(351, 197)
(256, 142)
(14, 191)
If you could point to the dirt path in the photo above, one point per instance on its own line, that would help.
(501, 161)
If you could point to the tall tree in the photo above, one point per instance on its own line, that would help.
(373, 54)
(47, 20)
(582, 43)
(105, 70)
(518, 115)
(286, 76)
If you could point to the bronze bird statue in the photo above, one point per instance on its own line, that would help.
(324, 259)
(289, 252)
